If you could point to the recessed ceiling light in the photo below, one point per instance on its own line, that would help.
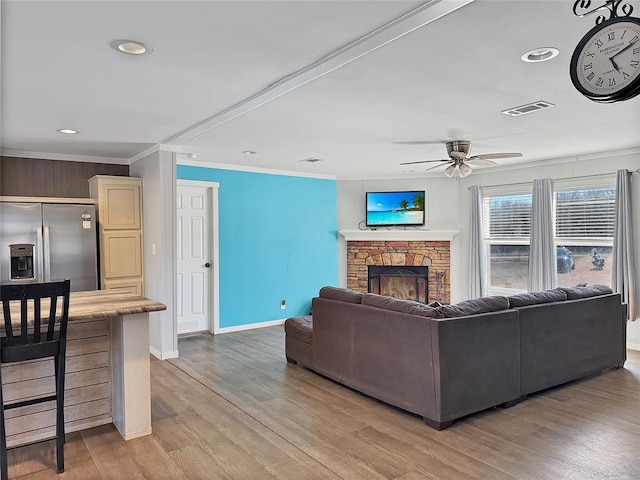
(131, 47)
(67, 131)
(249, 152)
(541, 54)
(408, 171)
(310, 160)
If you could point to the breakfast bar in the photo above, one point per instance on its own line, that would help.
(107, 374)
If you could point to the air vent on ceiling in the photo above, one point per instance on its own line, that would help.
(311, 160)
(528, 108)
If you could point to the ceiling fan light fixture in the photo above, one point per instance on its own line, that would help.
(464, 170)
(450, 170)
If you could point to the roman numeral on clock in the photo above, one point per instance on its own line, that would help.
(599, 82)
(612, 82)
(634, 63)
(588, 66)
(591, 54)
(591, 76)
(611, 36)
(598, 43)
(636, 50)
(625, 75)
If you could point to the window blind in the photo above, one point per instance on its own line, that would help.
(507, 216)
(585, 212)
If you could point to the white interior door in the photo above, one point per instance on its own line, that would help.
(194, 259)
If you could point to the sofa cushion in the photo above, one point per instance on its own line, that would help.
(534, 298)
(341, 294)
(574, 293)
(300, 328)
(397, 305)
(474, 306)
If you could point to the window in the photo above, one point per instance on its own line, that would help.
(584, 234)
(507, 224)
(584, 217)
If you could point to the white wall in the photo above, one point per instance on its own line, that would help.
(159, 212)
(441, 205)
(596, 164)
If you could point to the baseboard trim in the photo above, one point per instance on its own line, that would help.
(251, 326)
(633, 346)
(163, 356)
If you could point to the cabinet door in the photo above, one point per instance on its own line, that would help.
(119, 205)
(121, 254)
(133, 286)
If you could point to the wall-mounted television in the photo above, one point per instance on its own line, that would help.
(387, 209)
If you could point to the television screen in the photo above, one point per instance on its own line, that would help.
(386, 209)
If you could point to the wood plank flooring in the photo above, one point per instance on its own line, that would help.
(232, 408)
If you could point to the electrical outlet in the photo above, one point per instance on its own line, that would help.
(283, 305)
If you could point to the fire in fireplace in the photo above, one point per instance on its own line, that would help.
(406, 283)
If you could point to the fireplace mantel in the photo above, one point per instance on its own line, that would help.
(398, 235)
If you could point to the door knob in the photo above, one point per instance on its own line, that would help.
(207, 265)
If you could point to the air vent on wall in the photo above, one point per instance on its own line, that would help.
(528, 108)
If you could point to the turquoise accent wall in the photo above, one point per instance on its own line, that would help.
(278, 239)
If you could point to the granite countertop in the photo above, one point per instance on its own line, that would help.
(109, 303)
(99, 304)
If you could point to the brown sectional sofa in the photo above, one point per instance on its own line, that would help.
(447, 362)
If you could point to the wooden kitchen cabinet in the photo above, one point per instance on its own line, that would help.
(119, 212)
(134, 286)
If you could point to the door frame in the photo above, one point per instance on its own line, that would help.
(214, 253)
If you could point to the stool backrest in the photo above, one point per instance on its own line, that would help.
(43, 328)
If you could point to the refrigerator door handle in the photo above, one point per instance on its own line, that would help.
(39, 257)
(47, 256)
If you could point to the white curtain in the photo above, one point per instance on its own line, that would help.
(477, 285)
(623, 271)
(542, 250)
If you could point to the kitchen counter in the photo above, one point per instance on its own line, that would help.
(108, 371)
(109, 303)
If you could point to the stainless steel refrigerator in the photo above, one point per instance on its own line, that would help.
(47, 242)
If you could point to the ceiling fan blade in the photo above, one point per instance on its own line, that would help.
(488, 156)
(420, 142)
(481, 162)
(424, 161)
(431, 168)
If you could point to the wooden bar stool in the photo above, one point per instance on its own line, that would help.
(38, 331)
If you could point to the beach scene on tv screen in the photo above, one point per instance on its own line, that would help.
(395, 208)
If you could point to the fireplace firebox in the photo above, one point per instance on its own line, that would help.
(403, 282)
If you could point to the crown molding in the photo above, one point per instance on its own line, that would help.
(7, 152)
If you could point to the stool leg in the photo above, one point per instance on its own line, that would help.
(4, 470)
(59, 371)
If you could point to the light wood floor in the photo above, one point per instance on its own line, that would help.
(232, 408)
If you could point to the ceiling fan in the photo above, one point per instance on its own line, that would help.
(459, 161)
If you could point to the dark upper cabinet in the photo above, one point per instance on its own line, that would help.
(31, 177)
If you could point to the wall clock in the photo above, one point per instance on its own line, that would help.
(605, 66)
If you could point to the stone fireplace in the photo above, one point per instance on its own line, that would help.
(390, 248)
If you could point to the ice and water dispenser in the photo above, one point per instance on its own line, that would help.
(22, 261)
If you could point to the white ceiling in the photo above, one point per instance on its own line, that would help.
(205, 88)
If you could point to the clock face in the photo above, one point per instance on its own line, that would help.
(605, 66)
